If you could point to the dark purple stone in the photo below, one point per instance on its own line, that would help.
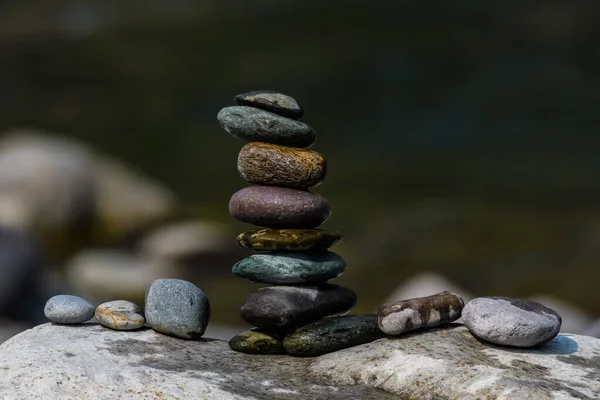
(276, 207)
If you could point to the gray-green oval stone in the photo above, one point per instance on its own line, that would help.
(332, 334)
(290, 268)
(256, 125)
(258, 341)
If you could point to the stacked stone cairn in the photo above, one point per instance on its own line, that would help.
(300, 314)
(292, 253)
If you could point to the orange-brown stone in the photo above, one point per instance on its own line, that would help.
(275, 165)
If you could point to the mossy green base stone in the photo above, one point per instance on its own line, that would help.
(289, 239)
(285, 268)
(332, 334)
(258, 341)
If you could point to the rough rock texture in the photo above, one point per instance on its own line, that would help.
(279, 207)
(274, 165)
(270, 100)
(511, 322)
(448, 363)
(290, 268)
(90, 362)
(255, 125)
(289, 239)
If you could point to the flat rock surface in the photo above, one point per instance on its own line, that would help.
(449, 363)
(92, 362)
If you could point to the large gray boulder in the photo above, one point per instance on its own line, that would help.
(92, 362)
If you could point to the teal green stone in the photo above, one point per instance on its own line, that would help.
(332, 334)
(258, 341)
(288, 268)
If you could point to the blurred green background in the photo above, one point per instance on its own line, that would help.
(462, 138)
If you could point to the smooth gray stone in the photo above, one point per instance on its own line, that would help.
(290, 268)
(288, 307)
(68, 309)
(177, 307)
(272, 101)
(256, 125)
(511, 322)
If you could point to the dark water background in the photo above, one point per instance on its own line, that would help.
(461, 137)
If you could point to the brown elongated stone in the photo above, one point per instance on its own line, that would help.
(275, 165)
(276, 207)
(422, 312)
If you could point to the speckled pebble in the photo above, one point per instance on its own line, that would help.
(271, 100)
(68, 309)
(177, 307)
(511, 322)
(258, 341)
(256, 125)
(120, 315)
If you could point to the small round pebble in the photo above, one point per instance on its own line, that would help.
(258, 341)
(178, 308)
(289, 239)
(68, 309)
(120, 315)
(256, 125)
(276, 207)
(271, 100)
(275, 165)
(511, 322)
(283, 268)
(332, 334)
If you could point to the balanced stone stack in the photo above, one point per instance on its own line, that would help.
(292, 254)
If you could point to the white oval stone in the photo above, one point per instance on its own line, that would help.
(121, 315)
